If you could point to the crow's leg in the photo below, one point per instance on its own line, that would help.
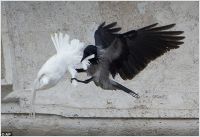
(80, 70)
(121, 87)
(85, 81)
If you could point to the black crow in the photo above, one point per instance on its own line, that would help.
(126, 54)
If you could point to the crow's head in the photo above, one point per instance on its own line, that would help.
(90, 50)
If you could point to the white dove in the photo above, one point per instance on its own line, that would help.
(68, 58)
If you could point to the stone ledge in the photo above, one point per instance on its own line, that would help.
(18, 102)
(67, 111)
(56, 125)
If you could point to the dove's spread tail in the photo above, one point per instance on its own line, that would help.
(62, 43)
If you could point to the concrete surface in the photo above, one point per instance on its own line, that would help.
(56, 125)
(168, 86)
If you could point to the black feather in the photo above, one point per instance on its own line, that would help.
(102, 24)
(110, 25)
(139, 47)
(122, 75)
(168, 33)
(148, 27)
(162, 28)
(114, 30)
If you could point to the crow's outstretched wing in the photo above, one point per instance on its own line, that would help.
(137, 47)
(105, 35)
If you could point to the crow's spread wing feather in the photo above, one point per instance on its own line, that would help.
(138, 47)
(105, 35)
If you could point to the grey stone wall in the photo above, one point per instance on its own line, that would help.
(168, 86)
(2, 65)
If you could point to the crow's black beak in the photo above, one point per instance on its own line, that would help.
(83, 58)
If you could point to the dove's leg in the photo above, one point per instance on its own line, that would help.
(73, 72)
(85, 81)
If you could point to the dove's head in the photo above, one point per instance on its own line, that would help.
(42, 83)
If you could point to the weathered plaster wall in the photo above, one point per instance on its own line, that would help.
(168, 86)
